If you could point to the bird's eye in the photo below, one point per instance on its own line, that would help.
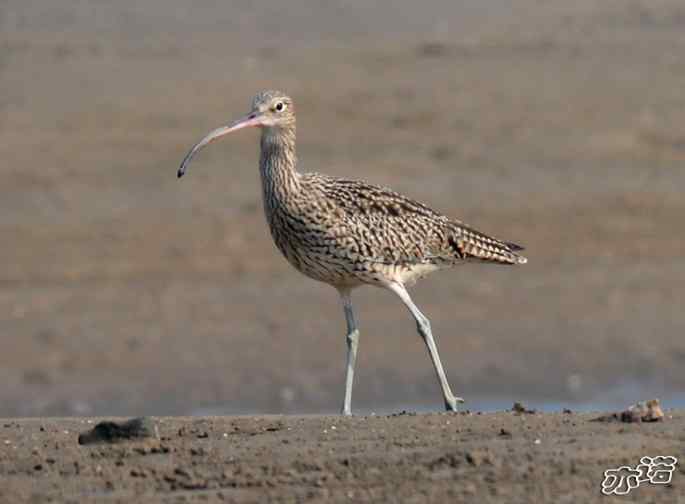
(279, 106)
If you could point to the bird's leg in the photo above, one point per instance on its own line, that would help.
(424, 329)
(352, 343)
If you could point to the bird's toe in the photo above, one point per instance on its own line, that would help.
(451, 404)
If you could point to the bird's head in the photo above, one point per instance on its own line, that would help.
(270, 110)
(274, 109)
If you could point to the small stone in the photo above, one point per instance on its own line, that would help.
(474, 458)
(521, 409)
(642, 411)
(138, 473)
(654, 411)
(113, 432)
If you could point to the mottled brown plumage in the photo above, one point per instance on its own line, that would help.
(349, 233)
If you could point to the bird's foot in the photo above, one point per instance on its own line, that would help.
(451, 403)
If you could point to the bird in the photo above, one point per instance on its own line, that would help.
(349, 233)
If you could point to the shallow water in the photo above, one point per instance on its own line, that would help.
(616, 399)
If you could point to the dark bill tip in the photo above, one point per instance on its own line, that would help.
(252, 119)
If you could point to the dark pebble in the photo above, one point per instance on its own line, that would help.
(113, 432)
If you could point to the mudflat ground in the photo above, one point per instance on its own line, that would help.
(123, 291)
(559, 125)
(491, 458)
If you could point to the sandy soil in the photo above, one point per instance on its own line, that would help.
(490, 458)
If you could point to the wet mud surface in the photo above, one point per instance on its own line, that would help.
(492, 457)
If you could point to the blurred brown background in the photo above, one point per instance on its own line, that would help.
(559, 125)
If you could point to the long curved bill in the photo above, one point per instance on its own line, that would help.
(252, 119)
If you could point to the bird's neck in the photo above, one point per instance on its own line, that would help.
(277, 163)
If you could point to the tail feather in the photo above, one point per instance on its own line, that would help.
(472, 244)
(515, 246)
